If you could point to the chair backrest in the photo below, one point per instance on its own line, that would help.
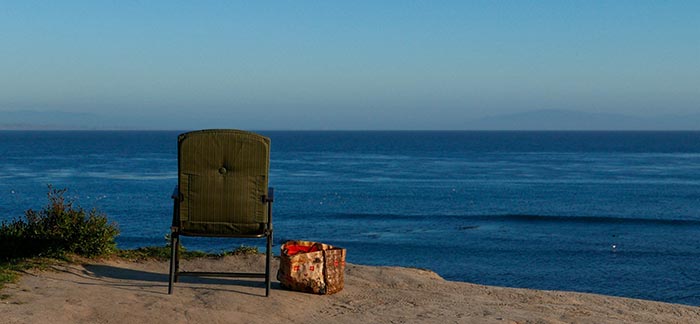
(222, 179)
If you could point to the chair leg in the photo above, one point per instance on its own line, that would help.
(267, 265)
(173, 262)
(177, 258)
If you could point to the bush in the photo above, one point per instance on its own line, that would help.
(163, 253)
(244, 250)
(58, 229)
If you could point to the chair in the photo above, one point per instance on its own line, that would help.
(222, 192)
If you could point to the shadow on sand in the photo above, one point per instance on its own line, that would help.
(143, 279)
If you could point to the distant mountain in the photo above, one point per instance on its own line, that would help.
(553, 119)
(40, 120)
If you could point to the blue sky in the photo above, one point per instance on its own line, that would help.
(346, 64)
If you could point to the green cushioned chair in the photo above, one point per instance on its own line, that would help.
(222, 192)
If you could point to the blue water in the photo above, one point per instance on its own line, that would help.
(519, 209)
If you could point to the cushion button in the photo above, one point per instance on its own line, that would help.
(222, 170)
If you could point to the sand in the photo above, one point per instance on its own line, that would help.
(118, 291)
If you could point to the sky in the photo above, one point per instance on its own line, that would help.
(346, 64)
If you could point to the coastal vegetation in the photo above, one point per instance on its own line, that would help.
(58, 229)
(163, 253)
(65, 232)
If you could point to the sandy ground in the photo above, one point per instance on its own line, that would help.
(115, 291)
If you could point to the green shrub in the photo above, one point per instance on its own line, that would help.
(244, 250)
(158, 253)
(7, 276)
(163, 253)
(58, 229)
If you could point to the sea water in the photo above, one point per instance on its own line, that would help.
(604, 212)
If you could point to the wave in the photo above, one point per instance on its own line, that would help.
(131, 176)
(527, 218)
(591, 219)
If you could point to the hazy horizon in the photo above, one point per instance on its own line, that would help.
(544, 120)
(360, 65)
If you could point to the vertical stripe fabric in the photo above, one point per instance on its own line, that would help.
(222, 176)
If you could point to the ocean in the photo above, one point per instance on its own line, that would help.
(614, 213)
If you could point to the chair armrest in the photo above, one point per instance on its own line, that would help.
(270, 195)
(176, 194)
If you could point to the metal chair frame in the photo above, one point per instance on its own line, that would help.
(175, 248)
